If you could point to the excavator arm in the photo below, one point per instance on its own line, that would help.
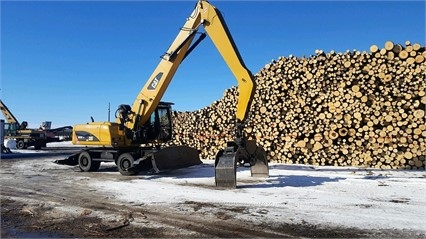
(211, 20)
(11, 119)
(222, 39)
(8, 116)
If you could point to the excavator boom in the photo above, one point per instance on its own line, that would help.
(8, 116)
(23, 136)
(212, 21)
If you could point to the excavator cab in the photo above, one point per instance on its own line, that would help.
(11, 129)
(156, 129)
(159, 126)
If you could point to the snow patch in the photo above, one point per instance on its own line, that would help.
(364, 198)
(339, 196)
(62, 144)
(10, 143)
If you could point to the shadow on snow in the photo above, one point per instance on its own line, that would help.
(284, 180)
(291, 181)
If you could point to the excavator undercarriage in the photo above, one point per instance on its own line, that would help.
(131, 161)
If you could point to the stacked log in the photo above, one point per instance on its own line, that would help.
(343, 109)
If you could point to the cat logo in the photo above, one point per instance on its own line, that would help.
(155, 81)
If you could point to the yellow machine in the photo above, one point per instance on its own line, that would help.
(148, 121)
(19, 132)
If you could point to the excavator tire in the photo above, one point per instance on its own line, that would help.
(124, 162)
(20, 144)
(86, 163)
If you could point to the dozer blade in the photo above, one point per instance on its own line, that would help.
(174, 157)
(71, 160)
(226, 163)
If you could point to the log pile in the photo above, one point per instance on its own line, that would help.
(343, 109)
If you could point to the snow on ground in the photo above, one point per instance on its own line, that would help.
(350, 197)
(61, 144)
(325, 195)
(11, 144)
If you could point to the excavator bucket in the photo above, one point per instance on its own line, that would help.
(226, 168)
(226, 163)
(257, 157)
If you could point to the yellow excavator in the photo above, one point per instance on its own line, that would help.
(134, 141)
(23, 136)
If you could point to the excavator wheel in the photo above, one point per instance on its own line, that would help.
(20, 144)
(124, 162)
(86, 163)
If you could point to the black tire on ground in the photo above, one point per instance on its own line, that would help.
(86, 163)
(20, 144)
(124, 162)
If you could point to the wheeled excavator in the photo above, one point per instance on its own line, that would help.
(134, 141)
(20, 132)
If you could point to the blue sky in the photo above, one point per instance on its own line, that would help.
(65, 61)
